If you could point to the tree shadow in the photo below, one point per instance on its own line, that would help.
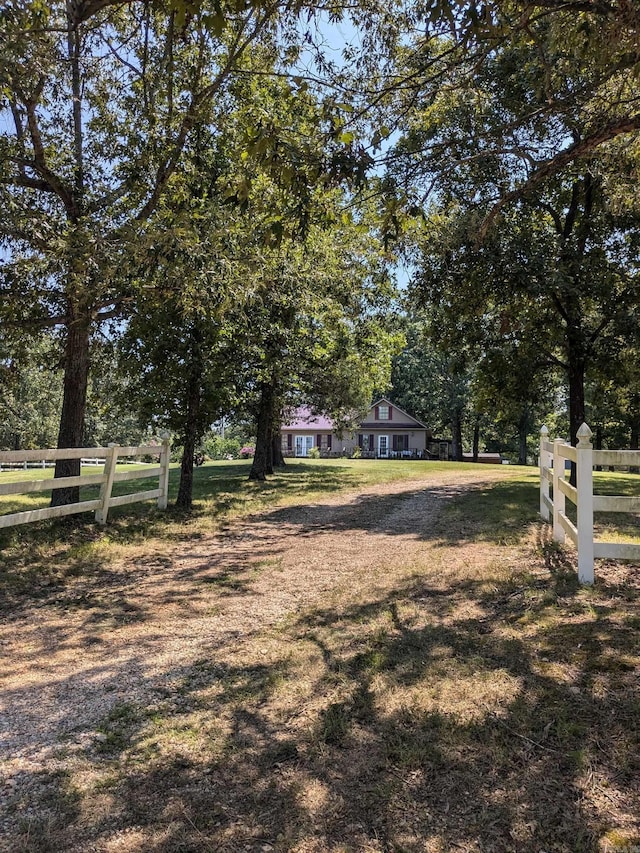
(38, 560)
(492, 512)
(511, 725)
(498, 714)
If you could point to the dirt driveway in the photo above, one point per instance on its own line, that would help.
(226, 696)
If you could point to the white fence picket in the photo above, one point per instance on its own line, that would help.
(584, 505)
(552, 468)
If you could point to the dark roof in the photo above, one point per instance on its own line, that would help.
(303, 418)
(391, 425)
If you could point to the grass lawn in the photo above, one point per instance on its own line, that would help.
(412, 669)
(221, 491)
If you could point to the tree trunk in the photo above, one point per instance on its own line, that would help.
(76, 374)
(576, 361)
(523, 434)
(269, 467)
(276, 449)
(476, 439)
(262, 457)
(456, 430)
(185, 490)
(191, 424)
(597, 444)
(76, 360)
(633, 445)
(576, 398)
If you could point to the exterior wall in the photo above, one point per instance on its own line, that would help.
(404, 440)
(325, 439)
(339, 446)
(349, 442)
(398, 424)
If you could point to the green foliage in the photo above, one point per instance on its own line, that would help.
(547, 291)
(100, 111)
(217, 447)
(428, 382)
(30, 394)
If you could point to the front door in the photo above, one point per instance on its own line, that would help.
(304, 443)
(383, 446)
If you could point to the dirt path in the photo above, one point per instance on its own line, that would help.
(69, 660)
(370, 673)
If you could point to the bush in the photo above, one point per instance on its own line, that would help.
(247, 452)
(314, 453)
(357, 453)
(217, 447)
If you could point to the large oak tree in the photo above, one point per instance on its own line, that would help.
(98, 101)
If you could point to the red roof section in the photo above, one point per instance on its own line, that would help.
(304, 418)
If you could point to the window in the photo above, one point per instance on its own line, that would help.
(400, 442)
(383, 413)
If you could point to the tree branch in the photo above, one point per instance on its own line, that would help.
(579, 149)
(167, 168)
(39, 163)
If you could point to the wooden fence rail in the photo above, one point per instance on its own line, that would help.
(553, 500)
(105, 501)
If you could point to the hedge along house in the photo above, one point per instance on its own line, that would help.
(387, 432)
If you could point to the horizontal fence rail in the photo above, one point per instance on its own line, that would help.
(555, 490)
(109, 457)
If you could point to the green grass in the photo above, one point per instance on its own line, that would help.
(222, 488)
(39, 500)
(497, 512)
(615, 483)
(613, 526)
(47, 552)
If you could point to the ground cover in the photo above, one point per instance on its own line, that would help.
(407, 665)
(45, 553)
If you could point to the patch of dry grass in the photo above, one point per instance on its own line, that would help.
(461, 694)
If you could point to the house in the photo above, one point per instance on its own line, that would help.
(306, 431)
(386, 432)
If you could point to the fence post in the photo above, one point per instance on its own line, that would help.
(163, 485)
(543, 462)
(558, 496)
(107, 486)
(584, 484)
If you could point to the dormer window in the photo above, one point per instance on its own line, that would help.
(383, 413)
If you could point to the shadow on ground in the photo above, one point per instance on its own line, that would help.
(443, 714)
(39, 561)
(412, 729)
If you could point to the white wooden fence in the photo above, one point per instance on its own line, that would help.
(552, 504)
(105, 501)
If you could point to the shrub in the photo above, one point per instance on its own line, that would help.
(247, 452)
(314, 453)
(217, 447)
(357, 453)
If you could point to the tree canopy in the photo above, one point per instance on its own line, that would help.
(225, 199)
